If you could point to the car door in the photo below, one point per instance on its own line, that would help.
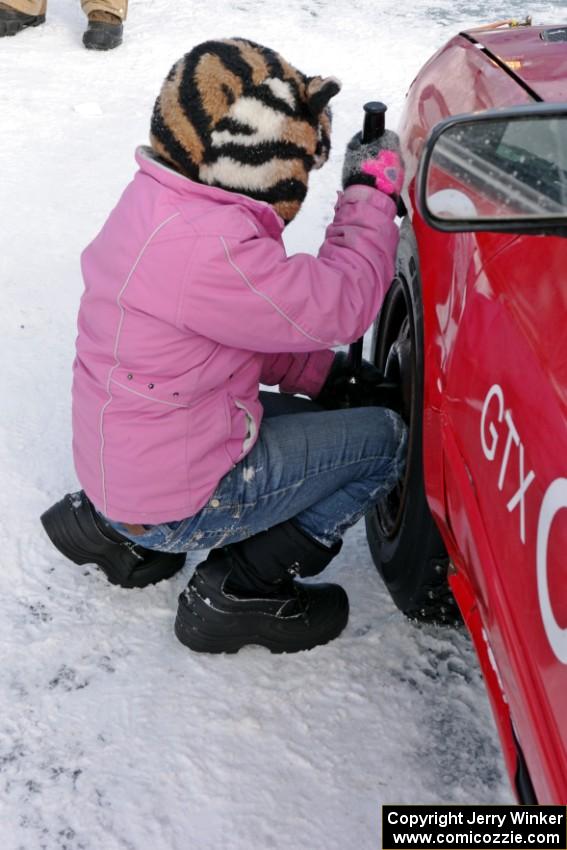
(505, 416)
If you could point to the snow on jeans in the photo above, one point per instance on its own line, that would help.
(323, 468)
(38, 7)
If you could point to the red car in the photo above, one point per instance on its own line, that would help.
(475, 327)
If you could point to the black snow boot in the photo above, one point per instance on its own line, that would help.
(246, 593)
(75, 528)
(104, 31)
(12, 22)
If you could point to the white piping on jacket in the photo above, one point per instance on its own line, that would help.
(269, 300)
(115, 350)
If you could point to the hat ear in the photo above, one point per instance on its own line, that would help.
(319, 92)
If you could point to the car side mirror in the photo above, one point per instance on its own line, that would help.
(499, 170)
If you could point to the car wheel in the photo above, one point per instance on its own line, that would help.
(404, 541)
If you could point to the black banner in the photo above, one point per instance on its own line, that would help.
(464, 827)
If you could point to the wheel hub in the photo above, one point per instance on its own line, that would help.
(399, 368)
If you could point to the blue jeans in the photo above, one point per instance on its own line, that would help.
(323, 468)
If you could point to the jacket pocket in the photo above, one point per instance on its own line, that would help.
(243, 429)
(251, 427)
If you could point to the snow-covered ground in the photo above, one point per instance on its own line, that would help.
(113, 735)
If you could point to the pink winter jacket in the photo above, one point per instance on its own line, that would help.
(190, 303)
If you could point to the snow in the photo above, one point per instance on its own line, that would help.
(112, 734)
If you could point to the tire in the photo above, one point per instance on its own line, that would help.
(404, 541)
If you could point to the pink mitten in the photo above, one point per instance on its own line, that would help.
(387, 170)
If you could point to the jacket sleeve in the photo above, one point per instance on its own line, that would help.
(247, 293)
(297, 373)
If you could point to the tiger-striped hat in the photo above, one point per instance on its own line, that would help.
(234, 114)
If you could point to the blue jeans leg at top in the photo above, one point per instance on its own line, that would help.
(323, 468)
